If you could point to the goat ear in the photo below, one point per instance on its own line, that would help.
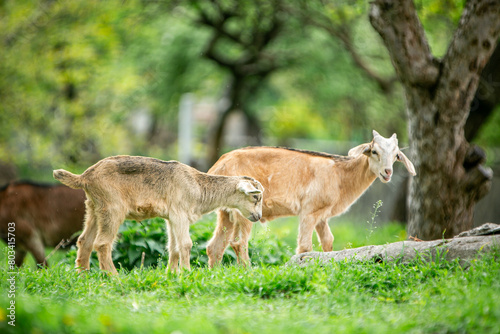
(247, 188)
(409, 166)
(375, 134)
(360, 149)
(394, 138)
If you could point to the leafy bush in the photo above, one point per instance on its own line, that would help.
(135, 238)
(150, 237)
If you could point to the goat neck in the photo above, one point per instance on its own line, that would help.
(216, 192)
(355, 177)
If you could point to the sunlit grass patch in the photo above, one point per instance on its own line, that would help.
(265, 297)
(351, 296)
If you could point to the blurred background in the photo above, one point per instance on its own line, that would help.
(190, 80)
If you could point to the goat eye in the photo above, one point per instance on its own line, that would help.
(374, 152)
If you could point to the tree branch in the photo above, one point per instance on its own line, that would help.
(385, 85)
(254, 60)
(263, 38)
(399, 26)
(210, 53)
(472, 46)
(342, 33)
(218, 23)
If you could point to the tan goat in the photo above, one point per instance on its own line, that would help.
(139, 187)
(314, 186)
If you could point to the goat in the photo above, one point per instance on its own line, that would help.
(312, 185)
(138, 188)
(43, 216)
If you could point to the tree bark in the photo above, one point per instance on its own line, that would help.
(486, 99)
(450, 176)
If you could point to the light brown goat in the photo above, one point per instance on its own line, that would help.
(139, 187)
(314, 186)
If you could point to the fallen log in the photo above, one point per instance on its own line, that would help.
(466, 247)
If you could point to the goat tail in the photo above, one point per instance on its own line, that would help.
(71, 180)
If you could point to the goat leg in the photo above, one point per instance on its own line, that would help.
(221, 238)
(325, 235)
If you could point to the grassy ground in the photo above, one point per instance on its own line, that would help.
(348, 297)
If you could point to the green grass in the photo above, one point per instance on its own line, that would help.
(347, 234)
(346, 297)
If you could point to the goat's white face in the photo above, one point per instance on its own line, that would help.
(250, 205)
(382, 153)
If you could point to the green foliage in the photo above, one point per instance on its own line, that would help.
(135, 238)
(449, 11)
(75, 75)
(57, 59)
(295, 119)
(327, 88)
(490, 134)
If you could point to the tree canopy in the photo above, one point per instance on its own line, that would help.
(75, 76)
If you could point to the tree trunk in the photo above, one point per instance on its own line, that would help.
(486, 99)
(240, 90)
(450, 178)
(233, 95)
(237, 94)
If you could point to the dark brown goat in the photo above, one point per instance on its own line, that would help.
(43, 216)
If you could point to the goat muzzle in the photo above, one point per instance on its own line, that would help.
(255, 217)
